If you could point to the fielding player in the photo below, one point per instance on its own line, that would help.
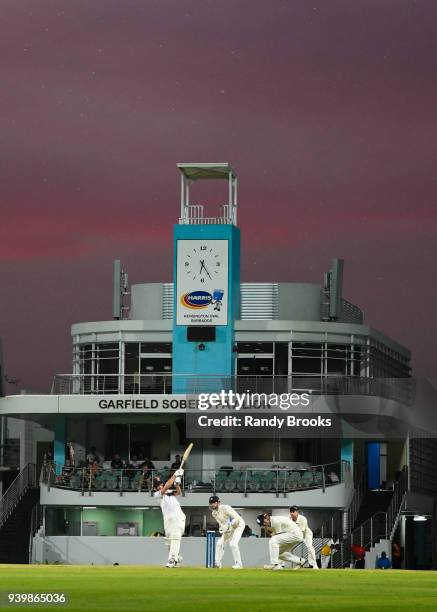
(286, 535)
(231, 527)
(302, 523)
(174, 518)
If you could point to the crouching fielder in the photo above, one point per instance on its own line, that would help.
(302, 523)
(231, 527)
(174, 518)
(286, 535)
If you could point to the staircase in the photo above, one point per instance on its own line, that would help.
(375, 552)
(372, 503)
(16, 512)
(375, 523)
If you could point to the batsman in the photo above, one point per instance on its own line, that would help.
(174, 518)
(231, 527)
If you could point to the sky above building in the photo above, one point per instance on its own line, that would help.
(325, 109)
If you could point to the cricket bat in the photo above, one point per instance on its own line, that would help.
(186, 455)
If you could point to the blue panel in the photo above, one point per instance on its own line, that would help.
(373, 465)
(217, 361)
(347, 453)
(60, 441)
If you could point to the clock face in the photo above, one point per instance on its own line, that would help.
(202, 282)
(203, 263)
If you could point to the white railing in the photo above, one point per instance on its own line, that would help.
(24, 481)
(167, 383)
(194, 216)
(279, 481)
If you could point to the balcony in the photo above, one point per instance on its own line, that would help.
(398, 389)
(278, 481)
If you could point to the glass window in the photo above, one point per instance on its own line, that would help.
(255, 347)
(336, 362)
(281, 358)
(150, 365)
(131, 357)
(62, 521)
(247, 449)
(156, 347)
(86, 358)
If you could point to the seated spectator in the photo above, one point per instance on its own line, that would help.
(148, 464)
(333, 477)
(128, 468)
(383, 562)
(359, 555)
(176, 463)
(92, 455)
(91, 471)
(116, 463)
(67, 471)
(135, 463)
(145, 478)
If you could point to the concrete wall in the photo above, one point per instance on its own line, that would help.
(93, 550)
(299, 302)
(335, 496)
(146, 301)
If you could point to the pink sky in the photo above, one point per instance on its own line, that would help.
(326, 110)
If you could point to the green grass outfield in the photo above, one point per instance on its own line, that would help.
(126, 588)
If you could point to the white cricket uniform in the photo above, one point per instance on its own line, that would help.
(231, 526)
(286, 536)
(302, 523)
(174, 522)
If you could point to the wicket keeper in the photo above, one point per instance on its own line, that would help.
(231, 527)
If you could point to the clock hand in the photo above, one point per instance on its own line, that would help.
(203, 267)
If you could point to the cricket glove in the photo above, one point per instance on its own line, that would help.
(179, 473)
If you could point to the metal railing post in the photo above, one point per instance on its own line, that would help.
(153, 478)
(120, 484)
(89, 482)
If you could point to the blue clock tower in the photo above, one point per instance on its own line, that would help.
(206, 285)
